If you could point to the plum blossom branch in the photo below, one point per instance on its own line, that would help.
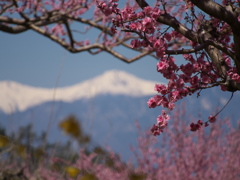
(211, 48)
(65, 17)
(171, 21)
(211, 119)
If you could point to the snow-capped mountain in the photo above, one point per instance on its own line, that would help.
(107, 107)
(19, 97)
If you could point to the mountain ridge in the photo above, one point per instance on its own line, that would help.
(18, 97)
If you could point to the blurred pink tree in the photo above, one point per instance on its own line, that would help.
(181, 154)
(205, 33)
(178, 154)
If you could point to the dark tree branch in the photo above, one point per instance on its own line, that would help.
(13, 30)
(187, 51)
(225, 13)
(91, 23)
(52, 37)
(9, 20)
(216, 10)
(69, 34)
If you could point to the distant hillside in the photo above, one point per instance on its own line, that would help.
(110, 119)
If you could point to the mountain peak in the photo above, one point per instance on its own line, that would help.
(18, 97)
(117, 76)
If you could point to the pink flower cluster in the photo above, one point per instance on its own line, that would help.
(109, 8)
(234, 76)
(162, 122)
(212, 119)
(159, 45)
(199, 124)
(58, 30)
(196, 74)
(183, 79)
(167, 67)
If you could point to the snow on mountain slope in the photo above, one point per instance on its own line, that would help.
(18, 97)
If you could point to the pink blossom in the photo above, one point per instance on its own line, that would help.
(167, 36)
(140, 15)
(164, 102)
(171, 106)
(139, 26)
(189, 57)
(236, 77)
(135, 43)
(107, 11)
(150, 30)
(132, 16)
(228, 61)
(157, 44)
(160, 53)
(148, 10)
(162, 65)
(212, 119)
(194, 81)
(129, 10)
(184, 92)
(223, 88)
(156, 13)
(180, 82)
(172, 84)
(185, 78)
(154, 101)
(161, 89)
(113, 30)
(195, 127)
(87, 42)
(147, 23)
(205, 78)
(196, 67)
(162, 122)
(144, 43)
(175, 95)
(187, 69)
(133, 26)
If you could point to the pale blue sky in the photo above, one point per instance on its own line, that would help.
(32, 59)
